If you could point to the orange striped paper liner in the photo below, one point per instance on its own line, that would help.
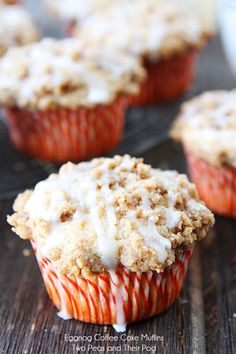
(167, 79)
(67, 134)
(216, 185)
(118, 298)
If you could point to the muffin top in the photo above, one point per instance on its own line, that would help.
(66, 73)
(16, 27)
(207, 127)
(145, 28)
(77, 9)
(92, 216)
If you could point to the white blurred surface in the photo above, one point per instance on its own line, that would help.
(227, 24)
(204, 8)
(49, 26)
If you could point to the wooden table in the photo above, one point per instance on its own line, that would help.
(202, 320)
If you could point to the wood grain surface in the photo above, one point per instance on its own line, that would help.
(202, 320)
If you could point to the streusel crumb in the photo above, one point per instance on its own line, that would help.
(66, 73)
(95, 215)
(147, 28)
(16, 27)
(206, 127)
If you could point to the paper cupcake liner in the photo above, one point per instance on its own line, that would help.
(216, 185)
(166, 79)
(67, 134)
(116, 298)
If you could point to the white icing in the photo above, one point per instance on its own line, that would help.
(96, 94)
(35, 75)
(94, 200)
(195, 206)
(154, 239)
(16, 26)
(207, 127)
(63, 312)
(64, 316)
(108, 246)
(172, 217)
(119, 328)
(150, 233)
(117, 290)
(58, 281)
(141, 26)
(211, 110)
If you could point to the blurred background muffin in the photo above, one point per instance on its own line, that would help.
(65, 100)
(166, 37)
(207, 129)
(16, 27)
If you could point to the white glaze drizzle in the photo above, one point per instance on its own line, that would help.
(211, 110)
(64, 316)
(35, 74)
(63, 311)
(95, 189)
(108, 246)
(18, 25)
(94, 195)
(144, 30)
(117, 289)
(172, 217)
(58, 281)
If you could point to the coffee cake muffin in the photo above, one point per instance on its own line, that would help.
(166, 37)
(65, 100)
(207, 129)
(16, 27)
(113, 237)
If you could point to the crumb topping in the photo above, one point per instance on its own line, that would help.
(16, 27)
(207, 127)
(94, 215)
(66, 73)
(145, 28)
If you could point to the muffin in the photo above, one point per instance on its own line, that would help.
(16, 27)
(113, 237)
(207, 129)
(65, 100)
(73, 11)
(165, 37)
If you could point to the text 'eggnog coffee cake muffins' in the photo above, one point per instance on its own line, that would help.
(16, 27)
(206, 127)
(113, 237)
(65, 100)
(165, 36)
